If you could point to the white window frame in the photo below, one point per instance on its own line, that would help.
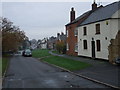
(67, 33)
(76, 32)
(67, 46)
(76, 47)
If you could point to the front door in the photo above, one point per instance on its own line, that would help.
(93, 49)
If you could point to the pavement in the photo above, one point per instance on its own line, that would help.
(28, 72)
(100, 70)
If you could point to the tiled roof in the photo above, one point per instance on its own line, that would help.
(102, 13)
(80, 17)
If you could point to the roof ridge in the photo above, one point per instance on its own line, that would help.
(79, 17)
(110, 4)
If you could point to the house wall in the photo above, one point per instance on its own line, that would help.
(44, 46)
(107, 32)
(116, 14)
(71, 40)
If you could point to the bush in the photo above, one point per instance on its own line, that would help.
(61, 47)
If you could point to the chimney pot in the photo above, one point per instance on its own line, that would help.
(58, 34)
(62, 33)
(72, 14)
(94, 6)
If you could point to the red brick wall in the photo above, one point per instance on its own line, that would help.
(72, 39)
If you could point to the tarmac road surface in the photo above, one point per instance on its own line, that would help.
(28, 72)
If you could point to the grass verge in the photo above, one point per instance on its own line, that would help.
(0, 66)
(60, 61)
(56, 52)
(5, 62)
(66, 63)
(40, 53)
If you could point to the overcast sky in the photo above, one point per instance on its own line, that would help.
(42, 19)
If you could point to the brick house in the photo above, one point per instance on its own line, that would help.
(71, 30)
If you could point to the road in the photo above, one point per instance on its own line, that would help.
(28, 72)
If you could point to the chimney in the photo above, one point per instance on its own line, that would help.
(94, 6)
(58, 34)
(72, 14)
(62, 33)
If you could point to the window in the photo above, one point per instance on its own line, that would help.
(67, 33)
(98, 45)
(84, 31)
(76, 47)
(76, 32)
(67, 47)
(85, 44)
(97, 28)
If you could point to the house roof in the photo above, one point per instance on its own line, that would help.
(52, 39)
(80, 17)
(102, 13)
(61, 37)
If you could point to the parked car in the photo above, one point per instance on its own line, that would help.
(27, 52)
(117, 61)
(18, 53)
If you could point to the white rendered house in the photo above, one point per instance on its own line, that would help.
(95, 33)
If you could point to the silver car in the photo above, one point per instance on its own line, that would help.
(27, 52)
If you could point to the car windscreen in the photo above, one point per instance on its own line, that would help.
(27, 50)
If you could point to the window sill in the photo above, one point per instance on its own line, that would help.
(76, 50)
(97, 34)
(98, 51)
(85, 49)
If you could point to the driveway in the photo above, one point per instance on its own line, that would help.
(27, 72)
(101, 70)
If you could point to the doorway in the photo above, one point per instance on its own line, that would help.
(93, 49)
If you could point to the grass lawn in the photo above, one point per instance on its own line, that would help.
(4, 64)
(55, 52)
(66, 63)
(59, 61)
(0, 67)
(40, 53)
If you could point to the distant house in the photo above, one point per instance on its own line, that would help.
(61, 43)
(61, 37)
(42, 44)
(51, 42)
(38, 44)
(33, 44)
(26, 44)
(71, 30)
(97, 30)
